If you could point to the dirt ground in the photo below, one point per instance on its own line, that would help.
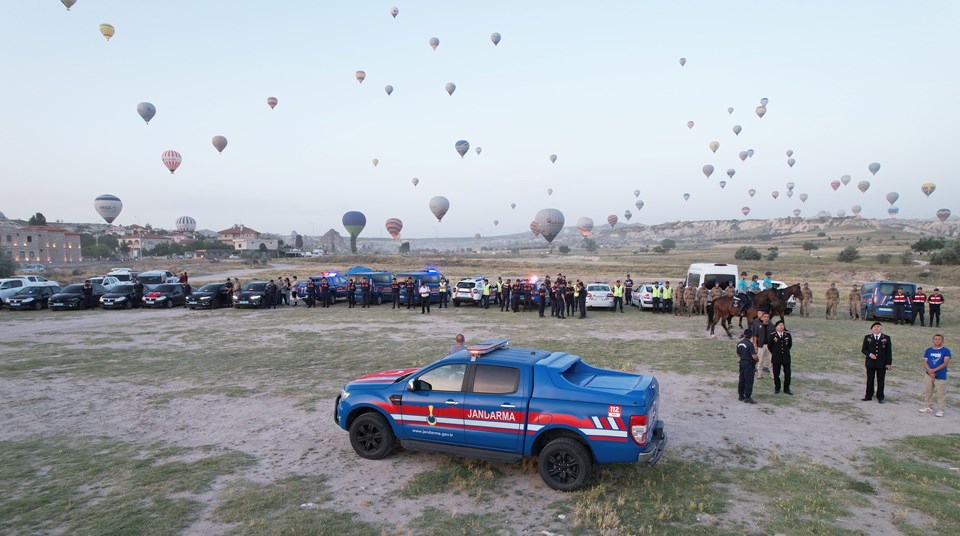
(702, 414)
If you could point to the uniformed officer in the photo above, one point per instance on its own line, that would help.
(712, 295)
(324, 292)
(411, 289)
(877, 350)
(689, 300)
(730, 291)
(444, 293)
(542, 296)
(748, 365)
(351, 294)
(528, 293)
(395, 289)
(228, 286)
(560, 292)
(505, 300)
(311, 294)
(656, 297)
(87, 295)
(424, 298)
(900, 307)
(702, 299)
(806, 301)
(270, 295)
(485, 298)
(853, 302)
(498, 298)
(779, 342)
(833, 298)
(582, 299)
(365, 291)
(617, 297)
(517, 292)
(628, 289)
(918, 301)
(666, 297)
(679, 303)
(935, 300)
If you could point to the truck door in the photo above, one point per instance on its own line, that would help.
(495, 407)
(434, 411)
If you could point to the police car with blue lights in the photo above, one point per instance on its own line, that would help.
(499, 403)
(430, 277)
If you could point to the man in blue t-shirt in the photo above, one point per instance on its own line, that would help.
(936, 359)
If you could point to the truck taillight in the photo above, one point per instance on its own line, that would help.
(638, 429)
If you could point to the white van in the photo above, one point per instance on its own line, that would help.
(710, 274)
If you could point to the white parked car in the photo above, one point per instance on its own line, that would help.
(642, 296)
(36, 281)
(13, 285)
(599, 295)
(154, 278)
(124, 275)
(468, 290)
(32, 269)
(108, 281)
(792, 302)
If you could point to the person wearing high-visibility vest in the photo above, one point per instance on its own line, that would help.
(666, 297)
(499, 296)
(656, 297)
(485, 297)
(443, 293)
(617, 296)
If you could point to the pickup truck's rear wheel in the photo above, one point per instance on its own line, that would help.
(371, 436)
(565, 464)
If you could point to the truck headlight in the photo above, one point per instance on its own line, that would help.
(344, 394)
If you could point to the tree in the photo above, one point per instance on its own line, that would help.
(849, 254)
(772, 253)
(949, 255)
(38, 219)
(7, 265)
(810, 246)
(668, 244)
(564, 249)
(884, 258)
(298, 241)
(928, 244)
(589, 245)
(747, 253)
(404, 248)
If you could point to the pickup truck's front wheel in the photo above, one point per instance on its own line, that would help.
(371, 436)
(565, 465)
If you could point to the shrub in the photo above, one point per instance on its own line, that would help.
(884, 258)
(772, 254)
(821, 234)
(747, 253)
(906, 257)
(849, 254)
(564, 249)
(7, 266)
(810, 246)
(928, 244)
(950, 254)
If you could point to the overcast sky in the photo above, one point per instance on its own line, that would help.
(599, 84)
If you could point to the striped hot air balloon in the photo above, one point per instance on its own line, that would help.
(612, 220)
(108, 207)
(354, 222)
(394, 226)
(171, 159)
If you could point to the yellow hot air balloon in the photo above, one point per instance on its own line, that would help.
(107, 30)
(927, 188)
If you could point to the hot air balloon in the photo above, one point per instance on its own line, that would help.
(789, 153)
(434, 43)
(943, 214)
(68, 3)
(550, 223)
(186, 224)
(534, 228)
(835, 185)
(791, 161)
(731, 172)
(790, 186)
(745, 210)
(683, 61)
(707, 170)
(892, 197)
(686, 197)
(549, 191)
(495, 38)
(627, 215)
(272, 102)
(927, 188)
(394, 12)
(714, 146)
(874, 168)
(394, 226)
(789, 193)
(845, 179)
(764, 101)
(585, 226)
(108, 207)
(803, 198)
(856, 209)
(743, 156)
(439, 205)
(689, 124)
(636, 193)
(761, 111)
(450, 87)
(730, 110)
(750, 153)
(553, 159)
(389, 89)
(477, 236)
(360, 76)
(723, 184)
(107, 30)
(496, 223)
(893, 211)
(478, 150)
(462, 146)
(354, 222)
(376, 162)
(415, 181)
(639, 204)
(796, 213)
(774, 194)
(737, 129)
(146, 111)
(612, 220)
(219, 143)
(751, 192)
(171, 159)
(513, 206)
(841, 213)
(863, 186)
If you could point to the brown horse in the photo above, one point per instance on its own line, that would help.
(723, 310)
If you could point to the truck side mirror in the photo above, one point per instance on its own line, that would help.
(412, 386)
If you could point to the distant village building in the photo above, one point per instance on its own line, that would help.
(243, 238)
(39, 243)
(144, 242)
(262, 244)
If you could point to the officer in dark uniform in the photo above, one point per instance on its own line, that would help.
(748, 367)
(351, 294)
(271, 295)
(365, 291)
(627, 289)
(877, 350)
(311, 294)
(411, 289)
(324, 292)
(138, 292)
(87, 295)
(395, 289)
(542, 295)
(561, 294)
(505, 301)
(568, 297)
(582, 299)
(517, 291)
(935, 301)
(779, 342)
(527, 295)
(918, 301)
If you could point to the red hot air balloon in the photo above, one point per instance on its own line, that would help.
(943, 214)
(835, 185)
(394, 226)
(535, 228)
(171, 159)
(745, 210)
(272, 102)
(612, 220)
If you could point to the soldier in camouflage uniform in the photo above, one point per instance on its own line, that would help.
(730, 291)
(853, 301)
(678, 303)
(806, 301)
(690, 300)
(833, 298)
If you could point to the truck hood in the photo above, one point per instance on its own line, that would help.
(379, 380)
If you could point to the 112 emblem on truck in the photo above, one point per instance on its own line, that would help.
(498, 403)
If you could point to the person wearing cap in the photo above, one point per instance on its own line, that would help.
(568, 299)
(779, 343)
(853, 302)
(748, 365)
(935, 301)
(542, 300)
(627, 289)
(485, 297)
(657, 292)
(741, 292)
(666, 297)
(617, 297)
(900, 307)
(505, 300)
(877, 349)
(767, 283)
(936, 358)
(833, 297)
(395, 289)
(918, 301)
(582, 298)
(806, 301)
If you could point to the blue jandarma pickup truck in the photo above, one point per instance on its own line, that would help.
(499, 403)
